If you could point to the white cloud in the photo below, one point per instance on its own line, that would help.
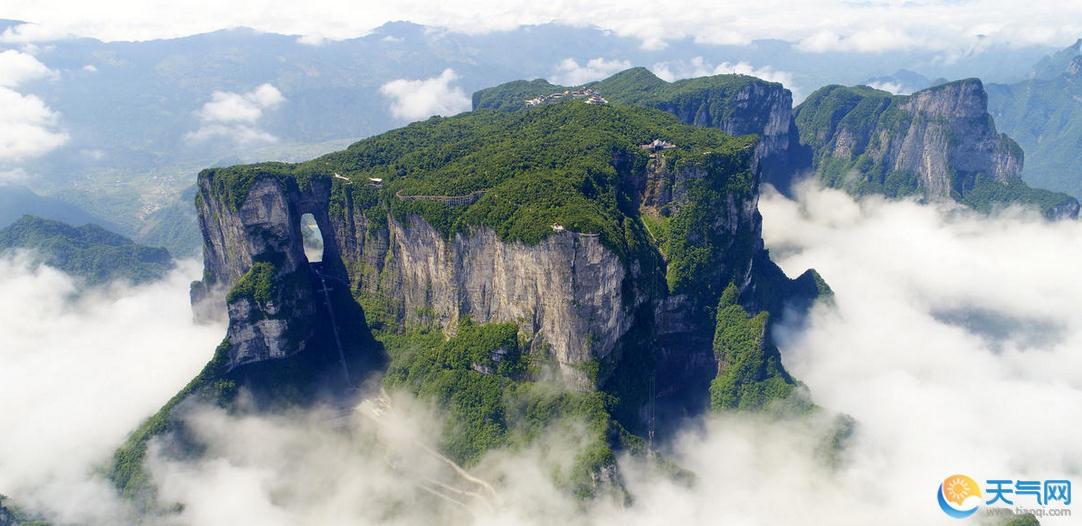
(893, 87)
(699, 67)
(953, 342)
(227, 106)
(90, 68)
(28, 127)
(417, 99)
(17, 68)
(570, 73)
(79, 373)
(93, 154)
(312, 40)
(13, 176)
(235, 116)
(818, 24)
(874, 40)
(30, 33)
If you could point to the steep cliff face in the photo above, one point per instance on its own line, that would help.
(565, 292)
(754, 108)
(573, 292)
(735, 104)
(939, 143)
(255, 249)
(584, 246)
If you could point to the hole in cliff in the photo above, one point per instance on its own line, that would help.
(312, 239)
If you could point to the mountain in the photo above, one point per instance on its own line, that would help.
(131, 109)
(735, 104)
(515, 267)
(89, 251)
(1044, 115)
(1055, 64)
(938, 143)
(17, 201)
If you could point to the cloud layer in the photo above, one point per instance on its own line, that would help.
(699, 67)
(818, 25)
(28, 128)
(570, 73)
(79, 373)
(417, 99)
(952, 341)
(235, 116)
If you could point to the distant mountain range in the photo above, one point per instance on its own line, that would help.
(1044, 114)
(939, 143)
(131, 109)
(17, 201)
(89, 251)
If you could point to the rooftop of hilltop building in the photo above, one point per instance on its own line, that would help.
(588, 95)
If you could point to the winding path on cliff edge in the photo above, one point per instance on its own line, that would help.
(476, 490)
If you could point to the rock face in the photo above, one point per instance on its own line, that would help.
(573, 296)
(756, 108)
(628, 310)
(565, 291)
(939, 143)
(279, 306)
(943, 136)
(952, 132)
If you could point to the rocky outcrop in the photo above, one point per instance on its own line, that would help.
(758, 108)
(939, 143)
(573, 297)
(279, 304)
(565, 292)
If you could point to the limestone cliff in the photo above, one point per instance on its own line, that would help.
(581, 246)
(573, 294)
(938, 143)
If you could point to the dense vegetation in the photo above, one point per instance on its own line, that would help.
(487, 385)
(564, 164)
(750, 373)
(706, 101)
(88, 251)
(868, 119)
